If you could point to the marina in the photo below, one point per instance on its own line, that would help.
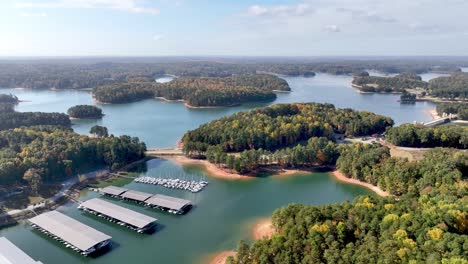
(9, 253)
(158, 201)
(70, 232)
(119, 215)
(192, 186)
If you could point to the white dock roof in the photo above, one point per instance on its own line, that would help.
(168, 202)
(11, 254)
(136, 195)
(118, 212)
(113, 190)
(70, 230)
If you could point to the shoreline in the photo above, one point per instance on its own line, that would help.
(222, 173)
(433, 113)
(338, 175)
(263, 228)
(217, 172)
(220, 257)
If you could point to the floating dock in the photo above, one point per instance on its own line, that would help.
(75, 235)
(119, 215)
(11, 254)
(192, 186)
(163, 202)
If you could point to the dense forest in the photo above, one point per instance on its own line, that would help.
(454, 86)
(85, 111)
(10, 120)
(426, 224)
(90, 73)
(451, 87)
(8, 99)
(198, 91)
(460, 109)
(55, 153)
(409, 135)
(280, 126)
(397, 83)
(316, 152)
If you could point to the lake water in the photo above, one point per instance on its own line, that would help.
(225, 211)
(161, 124)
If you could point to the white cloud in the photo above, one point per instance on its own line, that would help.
(122, 5)
(157, 37)
(280, 10)
(332, 28)
(27, 14)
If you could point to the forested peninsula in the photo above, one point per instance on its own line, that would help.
(453, 87)
(197, 91)
(427, 223)
(55, 153)
(424, 220)
(290, 135)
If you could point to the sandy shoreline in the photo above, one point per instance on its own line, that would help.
(223, 173)
(210, 168)
(342, 178)
(221, 257)
(263, 228)
(433, 113)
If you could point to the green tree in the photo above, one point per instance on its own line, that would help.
(99, 131)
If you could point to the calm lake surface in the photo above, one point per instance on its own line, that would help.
(225, 211)
(161, 124)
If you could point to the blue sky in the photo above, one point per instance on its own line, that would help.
(237, 27)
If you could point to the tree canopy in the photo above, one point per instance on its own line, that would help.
(85, 111)
(409, 135)
(57, 153)
(426, 224)
(198, 91)
(10, 120)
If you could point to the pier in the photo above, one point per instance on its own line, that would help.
(440, 121)
(9, 253)
(68, 231)
(165, 152)
(120, 215)
(171, 204)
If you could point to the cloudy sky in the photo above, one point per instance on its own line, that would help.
(240, 27)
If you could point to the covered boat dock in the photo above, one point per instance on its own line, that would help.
(113, 191)
(11, 254)
(73, 234)
(172, 204)
(119, 215)
(163, 202)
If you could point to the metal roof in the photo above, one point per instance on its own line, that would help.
(168, 202)
(11, 254)
(70, 230)
(136, 195)
(118, 212)
(113, 190)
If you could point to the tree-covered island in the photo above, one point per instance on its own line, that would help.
(198, 92)
(85, 111)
